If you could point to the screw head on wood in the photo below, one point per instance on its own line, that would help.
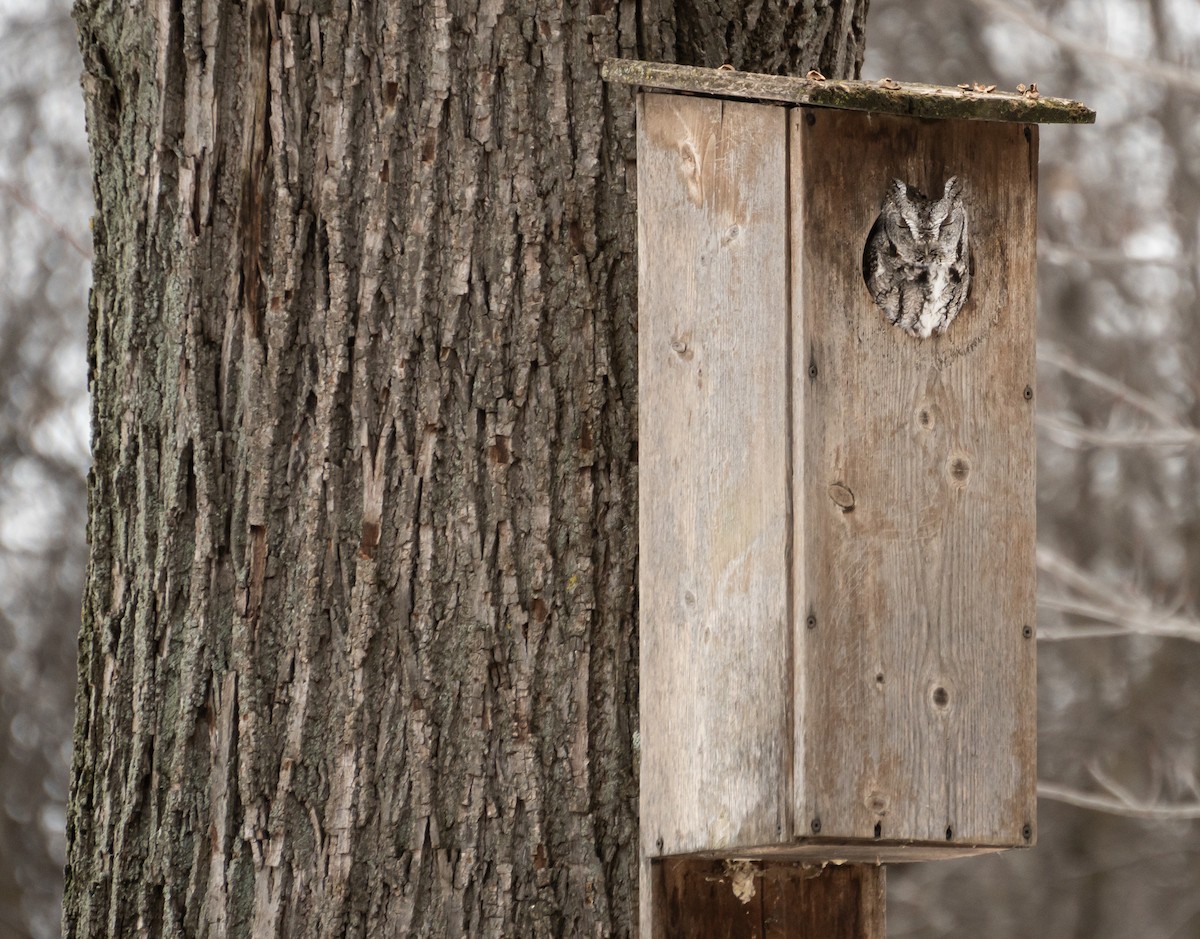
(1028, 392)
(816, 826)
(811, 622)
(1027, 631)
(1027, 831)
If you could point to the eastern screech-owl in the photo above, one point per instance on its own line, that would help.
(916, 262)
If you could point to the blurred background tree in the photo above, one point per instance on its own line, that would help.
(45, 200)
(1118, 485)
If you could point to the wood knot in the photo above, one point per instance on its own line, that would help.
(679, 345)
(959, 468)
(842, 497)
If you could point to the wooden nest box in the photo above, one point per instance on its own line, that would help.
(836, 465)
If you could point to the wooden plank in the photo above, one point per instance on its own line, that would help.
(912, 99)
(849, 851)
(713, 475)
(917, 680)
(767, 900)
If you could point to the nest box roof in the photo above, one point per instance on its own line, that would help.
(974, 102)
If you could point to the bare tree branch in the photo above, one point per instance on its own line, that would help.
(1172, 432)
(1163, 72)
(1057, 253)
(1115, 805)
(21, 199)
(1123, 622)
(1118, 799)
(1073, 435)
(1053, 354)
(1103, 601)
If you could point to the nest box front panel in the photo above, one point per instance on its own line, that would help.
(913, 312)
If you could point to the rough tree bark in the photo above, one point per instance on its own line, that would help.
(359, 641)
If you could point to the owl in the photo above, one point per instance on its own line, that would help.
(916, 262)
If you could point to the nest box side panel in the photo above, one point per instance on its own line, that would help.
(914, 483)
(713, 474)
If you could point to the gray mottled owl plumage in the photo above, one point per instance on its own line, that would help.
(916, 262)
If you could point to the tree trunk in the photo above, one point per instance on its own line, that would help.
(359, 641)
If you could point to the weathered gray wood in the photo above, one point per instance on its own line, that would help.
(713, 474)
(914, 488)
(883, 97)
(875, 493)
(849, 851)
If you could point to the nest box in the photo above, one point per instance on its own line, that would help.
(837, 505)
